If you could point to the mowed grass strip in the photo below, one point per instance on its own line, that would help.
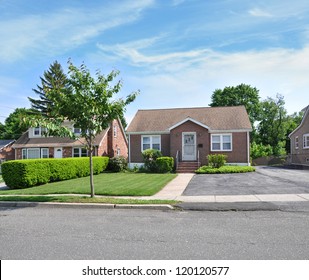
(111, 184)
(84, 199)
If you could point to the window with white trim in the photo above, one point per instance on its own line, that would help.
(306, 141)
(44, 153)
(77, 130)
(221, 142)
(80, 152)
(151, 142)
(296, 142)
(39, 131)
(34, 153)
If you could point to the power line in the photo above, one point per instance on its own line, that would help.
(7, 107)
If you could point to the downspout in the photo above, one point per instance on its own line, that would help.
(248, 148)
(129, 150)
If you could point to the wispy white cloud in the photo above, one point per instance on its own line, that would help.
(257, 12)
(189, 78)
(63, 29)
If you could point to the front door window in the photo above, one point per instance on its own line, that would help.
(189, 146)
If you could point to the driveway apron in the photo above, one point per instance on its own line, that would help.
(266, 180)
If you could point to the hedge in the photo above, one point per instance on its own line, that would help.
(19, 174)
(165, 164)
(224, 169)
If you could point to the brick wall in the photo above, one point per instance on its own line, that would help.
(7, 153)
(202, 139)
(117, 140)
(171, 143)
(300, 155)
(103, 148)
(136, 147)
(239, 153)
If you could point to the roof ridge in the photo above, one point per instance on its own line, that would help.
(184, 108)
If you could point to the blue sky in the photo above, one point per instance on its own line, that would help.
(176, 52)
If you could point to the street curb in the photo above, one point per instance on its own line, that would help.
(21, 204)
(230, 206)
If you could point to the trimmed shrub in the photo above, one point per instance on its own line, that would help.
(224, 169)
(117, 164)
(165, 164)
(216, 160)
(150, 159)
(27, 173)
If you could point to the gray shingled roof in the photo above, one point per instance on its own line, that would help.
(216, 118)
(4, 143)
(25, 141)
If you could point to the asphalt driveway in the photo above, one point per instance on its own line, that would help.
(266, 180)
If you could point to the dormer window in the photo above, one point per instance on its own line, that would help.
(39, 131)
(77, 130)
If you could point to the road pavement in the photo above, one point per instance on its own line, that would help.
(87, 233)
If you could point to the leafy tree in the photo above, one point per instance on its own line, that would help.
(260, 150)
(53, 79)
(13, 128)
(292, 122)
(86, 101)
(239, 95)
(2, 130)
(273, 127)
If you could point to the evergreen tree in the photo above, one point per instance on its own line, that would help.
(53, 79)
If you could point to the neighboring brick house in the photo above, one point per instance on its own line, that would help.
(190, 134)
(33, 144)
(6, 150)
(300, 141)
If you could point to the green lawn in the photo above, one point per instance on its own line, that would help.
(85, 199)
(112, 184)
(1, 180)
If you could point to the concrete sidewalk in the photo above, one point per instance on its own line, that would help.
(174, 191)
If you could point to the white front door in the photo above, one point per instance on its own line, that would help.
(188, 146)
(58, 153)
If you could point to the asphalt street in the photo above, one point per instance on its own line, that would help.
(85, 233)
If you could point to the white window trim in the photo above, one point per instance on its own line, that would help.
(42, 152)
(115, 131)
(79, 152)
(75, 132)
(221, 142)
(41, 129)
(36, 149)
(150, 136)
(296, 142)
(305, 141)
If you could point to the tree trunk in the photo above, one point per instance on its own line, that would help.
(91, 175)
(91, 170)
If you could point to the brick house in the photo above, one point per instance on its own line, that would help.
(300, 141)
(190, 134)
(33, 144)
(6, 150)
